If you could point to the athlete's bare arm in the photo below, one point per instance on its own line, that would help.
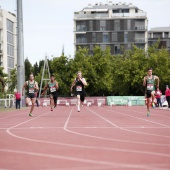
(56, 85)
(36, 86)
(45, 88)
(144, 81)
(157, 78)
(25, 85)
(83, 81)
(73, 84)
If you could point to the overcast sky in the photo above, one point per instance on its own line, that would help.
(48, 24)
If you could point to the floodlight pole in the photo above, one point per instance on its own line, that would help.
(20, 47)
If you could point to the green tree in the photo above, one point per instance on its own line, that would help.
(12, 80)
(28, 69)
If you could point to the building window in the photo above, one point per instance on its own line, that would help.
(128, 24)
(102, 25)
(103, 47)
(10, 62)
(10, 26)
(93, 37)
(129, 46)
(114, 37)
(91, 49)
(116, 11)
(105, 37)
(81, 26)
(10, 50)
(168, 44)
(91, 25)
(125, 10)
(117, 49)
(116, 25)
(81, 38)
(10, 38)
(125, 37)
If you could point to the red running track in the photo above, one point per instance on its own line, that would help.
(97, 138)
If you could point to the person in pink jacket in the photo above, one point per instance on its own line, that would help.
(167, 94)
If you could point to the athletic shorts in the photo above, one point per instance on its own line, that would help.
(31, 95)
(82, 95)
(55, 96)
(148, 93)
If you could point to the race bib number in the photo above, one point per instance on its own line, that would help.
(31, 90)
(52, 89)
(150, 87)
(78, 88)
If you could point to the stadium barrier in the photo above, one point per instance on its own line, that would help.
(126, 100)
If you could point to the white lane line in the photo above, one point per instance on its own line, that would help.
(128, 130)
(89, 147)
(155, 114)
(115, 165)
(138, 118)
(109, 139)
(87, 127)
(12, 115)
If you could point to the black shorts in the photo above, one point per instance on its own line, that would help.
(55, 96)
(31, 95)
(148, 93)
(82, 95)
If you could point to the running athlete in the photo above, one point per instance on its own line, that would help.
(53, 87)
(3, 85)
(79, 82)
(149, 83)
(32, 86)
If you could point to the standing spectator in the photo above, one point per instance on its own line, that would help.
(167, 94)
(158, 94)
(17, 99)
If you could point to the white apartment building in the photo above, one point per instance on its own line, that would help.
(110, 24)
(162, 34)
(8, 43)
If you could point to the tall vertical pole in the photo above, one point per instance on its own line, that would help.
(20, 47)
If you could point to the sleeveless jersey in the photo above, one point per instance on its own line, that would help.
(52, 87)
(79, 86)
(31, 88)
(150, 84)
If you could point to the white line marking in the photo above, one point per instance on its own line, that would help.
(149, 134)
(115, 165)
(84, 146)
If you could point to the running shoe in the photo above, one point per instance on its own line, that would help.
(153, 105)
(148, 114)
(51, 109)
(30, 114)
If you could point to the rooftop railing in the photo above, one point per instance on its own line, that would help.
(77, 16)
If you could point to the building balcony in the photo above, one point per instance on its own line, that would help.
(140, 28)
(81, 41)
(140, 40)
(93, 16)
(129, 15)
